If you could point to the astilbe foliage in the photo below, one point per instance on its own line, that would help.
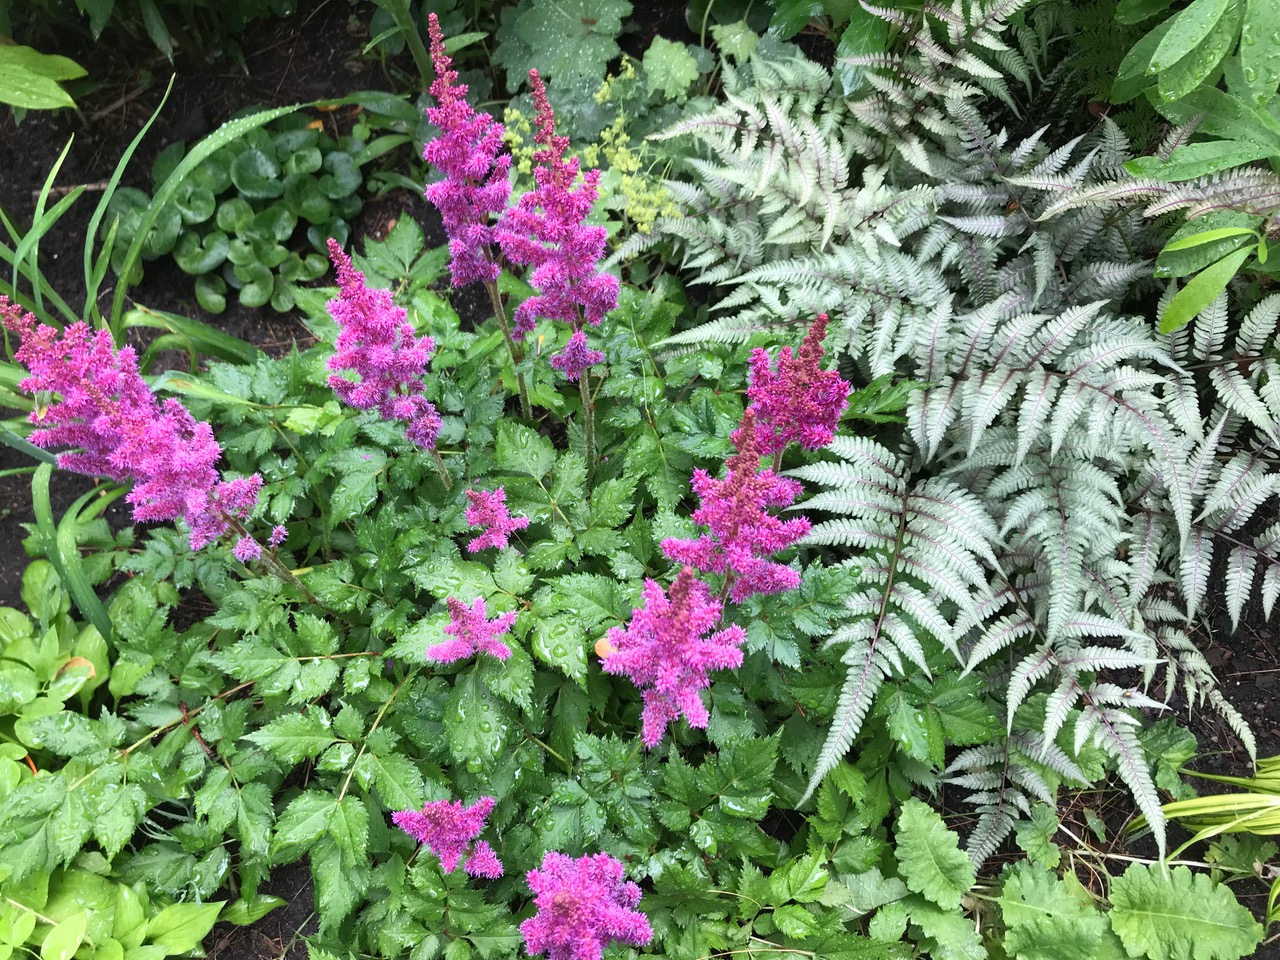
(472, 632)
(546, 230)
(583, 906)
(799, 402)
(666, 653)
(124, 432)
(476, 185)
(488, 509)
(448, 830)
(743, 534)
(376, 340)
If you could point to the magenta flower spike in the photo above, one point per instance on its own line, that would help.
(583, 906)
(488, 509)
(472, 633)
(123, 431)
(742, 533)
(666, 653)
(546, 230)
(448, 830)
(376, 340)
(800, 402)
(476, 186)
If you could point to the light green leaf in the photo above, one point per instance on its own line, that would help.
(1035, 836)
(23, 88)
(179, 928)
(1199, 159)
(929, 856)
(357, 489)
(735, 40)
(1201, 290)
(669, 68)
(475, 722)
(1190, 27)
(1260, 50)
(1169, 913)
(65, 938)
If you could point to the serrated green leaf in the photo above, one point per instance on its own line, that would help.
(929, 856)
(1035, 836)
(523, 449)
(669, 68)
(296, 736)
(1170, 913)
(475, 722)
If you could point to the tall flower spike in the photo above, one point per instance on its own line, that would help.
(488, 509)
(123, 431)
(546, 230)
(742, 533)
(800, 402)
(472, 633)
(583, 906)
(476, 185)
(665, 653)
(447, 829)
(376, 340)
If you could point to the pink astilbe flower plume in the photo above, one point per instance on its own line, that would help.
(666, 653)
(472, 632)
(124, 432)
(475, 187)
(488, 509)
(546, 230)
(447, 829)
(583, 906)
(376, 340)
(800, 402)
(742, 533)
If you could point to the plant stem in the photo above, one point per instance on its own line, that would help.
(588, 426)
(399, 10)
(442, 469)
(517, 354)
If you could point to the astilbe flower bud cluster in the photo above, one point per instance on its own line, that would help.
(742, 534)
(449, 830)
(377, 342)
(667, 654)
(799, 402)
(583, 906)
(472, 632)
(488, 509)
(124, 432)
(475, 187)
(547, 231)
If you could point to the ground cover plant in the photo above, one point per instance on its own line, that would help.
(812, 618)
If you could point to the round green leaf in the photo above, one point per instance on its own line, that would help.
(195, 203)
(163, 234)
(276, 222)
(319, 234)
(211, 293)
(64, 940)
(257, 284)
(269, 254)
(240, 251)
(282, 300)
(303, 160)
(343, 177)
(197, 255)
(214, 174)
(314, 267)
(291, 141)
(303, 196)
(234, 215)
(166, 161)
(349, 206)
(256, 175)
